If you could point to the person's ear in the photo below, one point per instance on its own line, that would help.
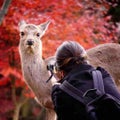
(62, 74)
(59, 74)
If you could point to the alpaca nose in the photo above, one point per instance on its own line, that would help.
(30, 42)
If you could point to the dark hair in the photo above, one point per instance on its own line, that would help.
(70, 54)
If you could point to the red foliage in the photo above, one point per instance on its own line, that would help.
(1, 3)
(7, 104)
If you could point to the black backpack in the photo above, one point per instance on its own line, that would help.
(98, 104)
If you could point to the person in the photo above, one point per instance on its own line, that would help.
(72, 65)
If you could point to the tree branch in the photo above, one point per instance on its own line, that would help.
(4, 9)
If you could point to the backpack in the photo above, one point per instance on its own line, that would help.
(98, 104)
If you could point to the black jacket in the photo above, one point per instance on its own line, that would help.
(66, 107)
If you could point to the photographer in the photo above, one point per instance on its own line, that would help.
(72, 66)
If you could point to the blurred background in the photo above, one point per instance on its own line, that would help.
(88, 22)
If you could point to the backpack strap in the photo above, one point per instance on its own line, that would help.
(78, 94)
(98, 81)
(72, 91)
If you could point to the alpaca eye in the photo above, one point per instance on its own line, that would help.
(38, 34)
(22, 33)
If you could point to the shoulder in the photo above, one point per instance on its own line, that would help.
(55, 87)
(104, 72)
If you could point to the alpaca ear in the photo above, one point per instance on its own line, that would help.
(43, 27)
(22, 22)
